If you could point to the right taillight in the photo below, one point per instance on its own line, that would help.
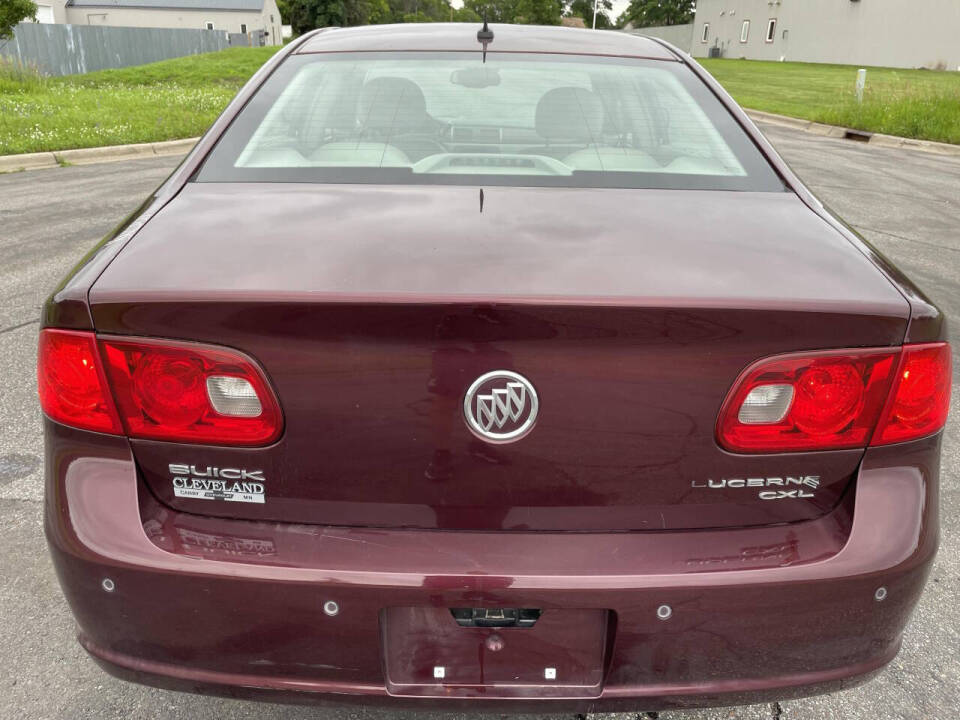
(920, 399)
(837, 399)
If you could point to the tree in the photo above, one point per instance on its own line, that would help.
(378, 12)
(584, 9)
(539, 12)
(524, 12)
(652, 13)
(13, 12)
(466, 15)
(305, 15)
(501, 11)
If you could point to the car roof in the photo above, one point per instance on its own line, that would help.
(463, 37)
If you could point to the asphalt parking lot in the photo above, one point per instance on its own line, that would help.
(906, 202)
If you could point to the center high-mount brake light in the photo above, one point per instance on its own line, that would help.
(156, 389)
(837, 399)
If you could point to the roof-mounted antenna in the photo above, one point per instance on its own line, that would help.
(485, 36)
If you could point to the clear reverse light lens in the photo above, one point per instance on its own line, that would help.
(766, 404)
(233, 396)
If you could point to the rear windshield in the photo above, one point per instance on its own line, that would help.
(516, 119)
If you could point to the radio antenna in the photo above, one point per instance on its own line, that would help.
(485, 36)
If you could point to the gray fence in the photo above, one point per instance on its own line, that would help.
(679, 35)
(255, 38)
(71, 49)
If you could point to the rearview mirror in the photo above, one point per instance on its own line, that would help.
(475, 77)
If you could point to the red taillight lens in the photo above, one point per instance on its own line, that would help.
(833, 400)
(73, 390)
(837, 399)
(920, 400)
(828, 397)
(188, 392)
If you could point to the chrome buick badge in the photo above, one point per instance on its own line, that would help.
(501, 406)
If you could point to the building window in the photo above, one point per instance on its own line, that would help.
(243, 28)
(771, 30)
(745, 31)
(208, 25)
(45, 14)
(706, 33)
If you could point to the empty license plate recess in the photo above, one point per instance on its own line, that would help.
(426, 653)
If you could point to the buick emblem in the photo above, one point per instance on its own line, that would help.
(500, 407)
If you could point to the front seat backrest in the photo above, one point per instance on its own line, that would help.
(569, 115)
(392, 105)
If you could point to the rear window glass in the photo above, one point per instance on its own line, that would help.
(516, 119)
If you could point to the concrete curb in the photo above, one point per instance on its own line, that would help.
(877, 139)
(29, 161)
(115, 153)
(87, 156)
(90, 156)
(175, 147)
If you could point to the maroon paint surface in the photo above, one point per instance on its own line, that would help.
(631, 323)
(757, 613)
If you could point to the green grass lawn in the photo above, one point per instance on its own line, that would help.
(162, 101)
(180, 98)
(922, 104)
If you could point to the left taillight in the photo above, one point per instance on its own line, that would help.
(71, 383)
(156, 389)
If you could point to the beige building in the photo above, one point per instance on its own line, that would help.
(233, 16)
(890, 33)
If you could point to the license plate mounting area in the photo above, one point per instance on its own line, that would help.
(433, 652)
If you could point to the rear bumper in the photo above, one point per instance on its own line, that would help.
(235, 607)
(621, 698)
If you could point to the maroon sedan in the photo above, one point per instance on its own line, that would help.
(509, 369)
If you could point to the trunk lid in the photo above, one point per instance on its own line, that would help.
(373, 309)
